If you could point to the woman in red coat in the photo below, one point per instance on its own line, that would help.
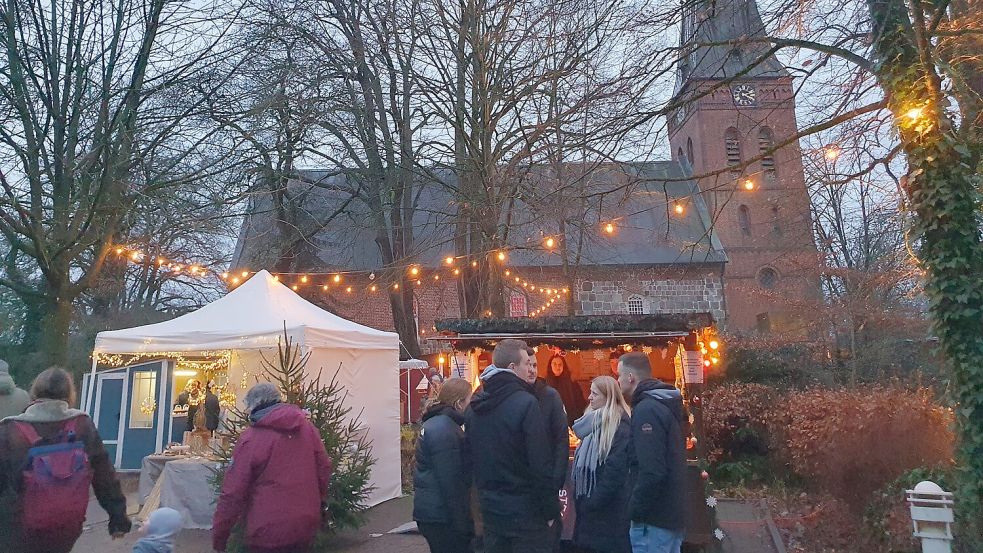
(276, 480)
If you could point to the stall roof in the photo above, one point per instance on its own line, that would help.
(596, 329)
(253, 316)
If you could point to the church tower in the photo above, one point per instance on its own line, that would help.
(729, 121)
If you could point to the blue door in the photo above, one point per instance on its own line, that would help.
(144, 403)
(108, 408)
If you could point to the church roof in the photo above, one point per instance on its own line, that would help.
(715, 43)
(639, 201)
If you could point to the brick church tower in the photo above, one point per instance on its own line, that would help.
(729, 120)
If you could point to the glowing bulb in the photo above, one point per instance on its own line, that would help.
(337, 278)
(550, 243)
(627, 347)
(303, 279)
(245, 274)
(414, 271)
(517, 279)
(914, 114)
(436, 277)
(488, 313)
(679, 208)
(235, 280)
(294, 287)
(349, 289)
(501, 256)
(748, 184)
(449, 260)
(441, 360)
(372, 288)
(136, 256)
(396, 286)
(457, 271)
(832, 153)
(609, 228)
(474, 263)
(706, 362)
(714, 344)
(508, 273)
(276, 278)
(119, 251)
(226, 275)
(325, 287)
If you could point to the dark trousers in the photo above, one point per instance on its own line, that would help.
(518, 541)
(443, 538)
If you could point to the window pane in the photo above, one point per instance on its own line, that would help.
(143, 405)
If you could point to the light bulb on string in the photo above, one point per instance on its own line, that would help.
(678, 208)
(245, 274)
(550, 243)
(372, 288)
(474, 263)
(449, 260)
(119, 251)
(609, 228)
(235, 280)
(304, 279)
(348, 289)
(748, 184)
(414, 271)
(226, 275)
(457, 271)
(501, 256)
(336, 278)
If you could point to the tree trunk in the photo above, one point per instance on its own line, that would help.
(55, 324)
(401, 303)
(942, 190)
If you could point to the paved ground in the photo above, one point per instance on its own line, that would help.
(746, 525)
(371, 538)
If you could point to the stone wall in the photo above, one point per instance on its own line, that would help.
(684, 295)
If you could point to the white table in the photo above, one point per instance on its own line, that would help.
(185, 485)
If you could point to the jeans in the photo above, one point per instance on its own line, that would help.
(443, 538)
(652, 539)
(518, 541)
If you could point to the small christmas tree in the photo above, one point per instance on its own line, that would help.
(344, 436)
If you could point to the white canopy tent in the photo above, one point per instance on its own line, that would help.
(250, 321)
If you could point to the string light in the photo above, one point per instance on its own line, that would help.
(550, 242)
(474, 263)
(609, 228)
(336, 278)
(501, 256)
(304, 279)
(832, 153)
(449, 260)
(678, 208)
(414, 271)
(748, 184)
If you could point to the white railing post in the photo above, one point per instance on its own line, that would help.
(932, 516)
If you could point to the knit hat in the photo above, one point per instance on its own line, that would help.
(164, 523)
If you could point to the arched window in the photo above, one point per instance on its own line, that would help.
(679, 154)
(765, 143)
(732, 141)
(689, 151)
(768, 278)
(636, 306)
(744, 218)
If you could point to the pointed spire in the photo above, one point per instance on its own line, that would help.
(714, 42)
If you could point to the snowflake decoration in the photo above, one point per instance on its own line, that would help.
(646, 349)
(148, 405)
(600, 354)
(719, 534)
(711, 501)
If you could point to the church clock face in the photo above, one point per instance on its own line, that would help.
(744, 95)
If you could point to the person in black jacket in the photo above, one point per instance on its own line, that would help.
(558, 376)
(658, 458)
(600, 472)
(556, 430)
(442, 479)
(512, 457)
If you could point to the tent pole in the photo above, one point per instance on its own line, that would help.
(92, 383)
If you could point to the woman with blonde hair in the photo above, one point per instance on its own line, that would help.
(600, 470)
(442, 479)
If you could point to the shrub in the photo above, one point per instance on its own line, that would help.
(887, 521)
(736, 420)
(408, 435)
(854, 442)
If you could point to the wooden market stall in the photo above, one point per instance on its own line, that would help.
(682, 349)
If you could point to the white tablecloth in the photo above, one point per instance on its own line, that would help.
(150, 470)
(185, 485)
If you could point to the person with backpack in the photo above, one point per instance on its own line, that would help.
(442, 476)
(49, 457)
(13, 400)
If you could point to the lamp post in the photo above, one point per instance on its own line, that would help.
(932, 516)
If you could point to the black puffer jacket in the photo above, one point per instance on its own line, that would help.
(512, 456)
(602, 517)
(442, 478)
(658, 456)
(556, 428)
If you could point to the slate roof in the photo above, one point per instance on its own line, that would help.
(648, 232)
(709, 23)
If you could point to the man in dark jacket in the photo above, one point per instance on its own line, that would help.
(556, 430)
(512, 457)
(657, 458)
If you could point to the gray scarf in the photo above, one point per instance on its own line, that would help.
(585, 457)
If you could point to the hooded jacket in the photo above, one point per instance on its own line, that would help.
(512, 457)
(277, 478)
(161, 528)
(658, 456)
(48, 416)
(442, 477)
(13, 400)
